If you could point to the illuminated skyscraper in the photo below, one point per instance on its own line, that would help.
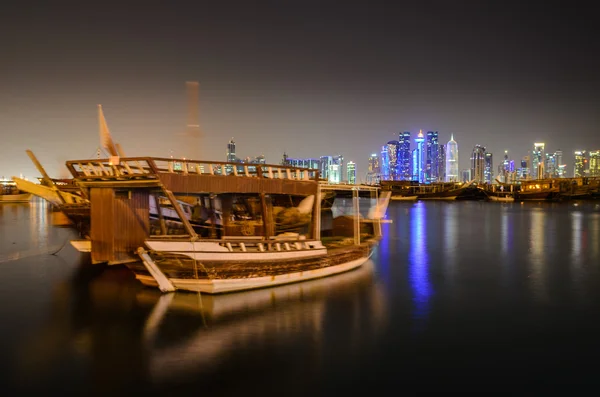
(404, 156)
(488, 173)
(384, 164)
(231, 157)
(537, 161)
(373, 170)
(441, 163)
(478, 164)
(452, 160)
(351, 171)
(558, 158)
(581, 167)
(418, 159)
(392, 155)
(595, 163)
(431, 157)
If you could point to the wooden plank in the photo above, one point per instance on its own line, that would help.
(192, 183)
(101, 217)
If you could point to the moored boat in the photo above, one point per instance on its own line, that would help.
(273, 230)
(404, 198)
(10, 193)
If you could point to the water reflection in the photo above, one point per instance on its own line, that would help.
(28, 232)
(537, 253)
(450, 235)
(180, 335)
(419, 262)
(577, 236)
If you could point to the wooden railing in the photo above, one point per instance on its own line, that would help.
(149, 167)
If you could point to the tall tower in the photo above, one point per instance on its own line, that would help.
(373, 172)
(418, 158)
(580, 168)
(404, 156)
(231, 156)
(431, 157)
(478, 164)
(392, 148)
(488, 172)
(595, 163)
(537, 161)
(452, 160)
(193, 134)
(351, 172)
(441, 163)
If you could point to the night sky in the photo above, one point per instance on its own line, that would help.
(308, 78)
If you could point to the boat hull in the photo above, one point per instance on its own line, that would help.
(403, 198)
(220, 286)
(503, 199)
(15, 198)
(215, 277)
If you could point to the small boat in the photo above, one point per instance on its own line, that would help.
(538, 190)
(505, 198)
(10, 193)
(404, 198)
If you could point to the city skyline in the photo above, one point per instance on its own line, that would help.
(306, 79)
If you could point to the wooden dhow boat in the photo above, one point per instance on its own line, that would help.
(272, 231)
(10, 193)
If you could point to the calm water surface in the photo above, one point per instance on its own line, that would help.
(458, 296)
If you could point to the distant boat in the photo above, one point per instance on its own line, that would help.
(505, 198)
(404, 198)
(10, 193)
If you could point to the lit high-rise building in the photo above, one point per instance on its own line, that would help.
(560, 167)
(418, 158)
(537, 161)
(452, 160)
(325, 163)
(595, 163)
(478, 164)
(351, 172)
(581, 167)
(373, 170)
(441, 163)
(231, 157)
(392, 155)
(404, 156)
(488, 173)
(431, 157)
(384, 164)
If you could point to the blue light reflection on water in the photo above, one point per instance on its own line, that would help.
(418, 262)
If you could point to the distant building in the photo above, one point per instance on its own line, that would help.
(581, 166)
(478, 164)
(465, 176)
(488, 172)
(595, 163)
(332, 168)
(441, 163)
(392, 158)
(404, 156)
(373, 170)
(431, 157)
(231, 157)
(560, 166)
(452, 160)
(537, 161)
(311, 163)
(419, 159)
(351, 172)
(384, 164)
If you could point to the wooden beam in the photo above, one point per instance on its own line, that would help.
(184, 220)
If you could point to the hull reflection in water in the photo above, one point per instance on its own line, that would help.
(227, 323)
